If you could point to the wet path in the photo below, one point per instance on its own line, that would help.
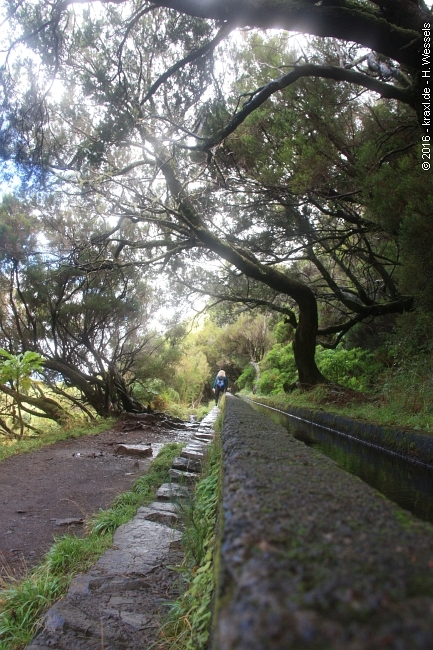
(117, 604)
(66, 481)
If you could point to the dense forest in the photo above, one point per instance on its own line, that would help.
(189, 186)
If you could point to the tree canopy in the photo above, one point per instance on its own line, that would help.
(88, 328)
(284, 164)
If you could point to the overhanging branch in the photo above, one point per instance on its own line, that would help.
(309, 70)
(193, 56)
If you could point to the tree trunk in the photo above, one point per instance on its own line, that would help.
(256, 367)
(49, 407)
(104, 394)
(397, 37)
(91, 387)
(304, 344)
(306, 330)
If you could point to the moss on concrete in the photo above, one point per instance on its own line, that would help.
(310, 556)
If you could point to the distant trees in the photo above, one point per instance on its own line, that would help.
(87, 327)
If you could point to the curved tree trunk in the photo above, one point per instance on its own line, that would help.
(49, 407)
(104, 394)
(304, 343)
(91, 387)
(394, 32)
(305, 335)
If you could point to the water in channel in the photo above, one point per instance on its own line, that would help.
(408, 484)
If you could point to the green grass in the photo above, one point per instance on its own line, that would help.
(23, 602)
(13, 447)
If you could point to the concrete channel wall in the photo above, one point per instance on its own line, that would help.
(412, 445)
(310, 557)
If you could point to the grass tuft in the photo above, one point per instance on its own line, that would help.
(381, 411)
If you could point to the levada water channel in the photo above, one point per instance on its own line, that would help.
(407, 483)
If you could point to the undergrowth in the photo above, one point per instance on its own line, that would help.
(183, 411)
(189, 620)
(23, 602)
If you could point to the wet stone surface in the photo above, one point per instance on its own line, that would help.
(135, 450)
(118, 603)
(187, 465)
(184, 478)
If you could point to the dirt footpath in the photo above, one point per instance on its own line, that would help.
(42, 490)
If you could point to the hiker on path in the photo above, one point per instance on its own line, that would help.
(220, 385)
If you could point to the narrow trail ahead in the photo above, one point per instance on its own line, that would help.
(69, 480)
(117, 604)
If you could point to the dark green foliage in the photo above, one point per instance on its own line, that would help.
(279, 369)
(416, 274)
(356, 368)
(305, 198)
(17, 230)
(88, 323)
(412, 337)
(247, 379)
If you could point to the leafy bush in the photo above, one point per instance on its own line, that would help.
(147, 390)
(278, 368)
(247, 378)
(412, 338)
(355, 368)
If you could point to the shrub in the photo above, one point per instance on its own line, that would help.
(356, 368)
(278, 368)
(247, 378)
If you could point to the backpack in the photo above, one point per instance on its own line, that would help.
(220, 383)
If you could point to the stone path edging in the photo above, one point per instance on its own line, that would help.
(106, 606)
